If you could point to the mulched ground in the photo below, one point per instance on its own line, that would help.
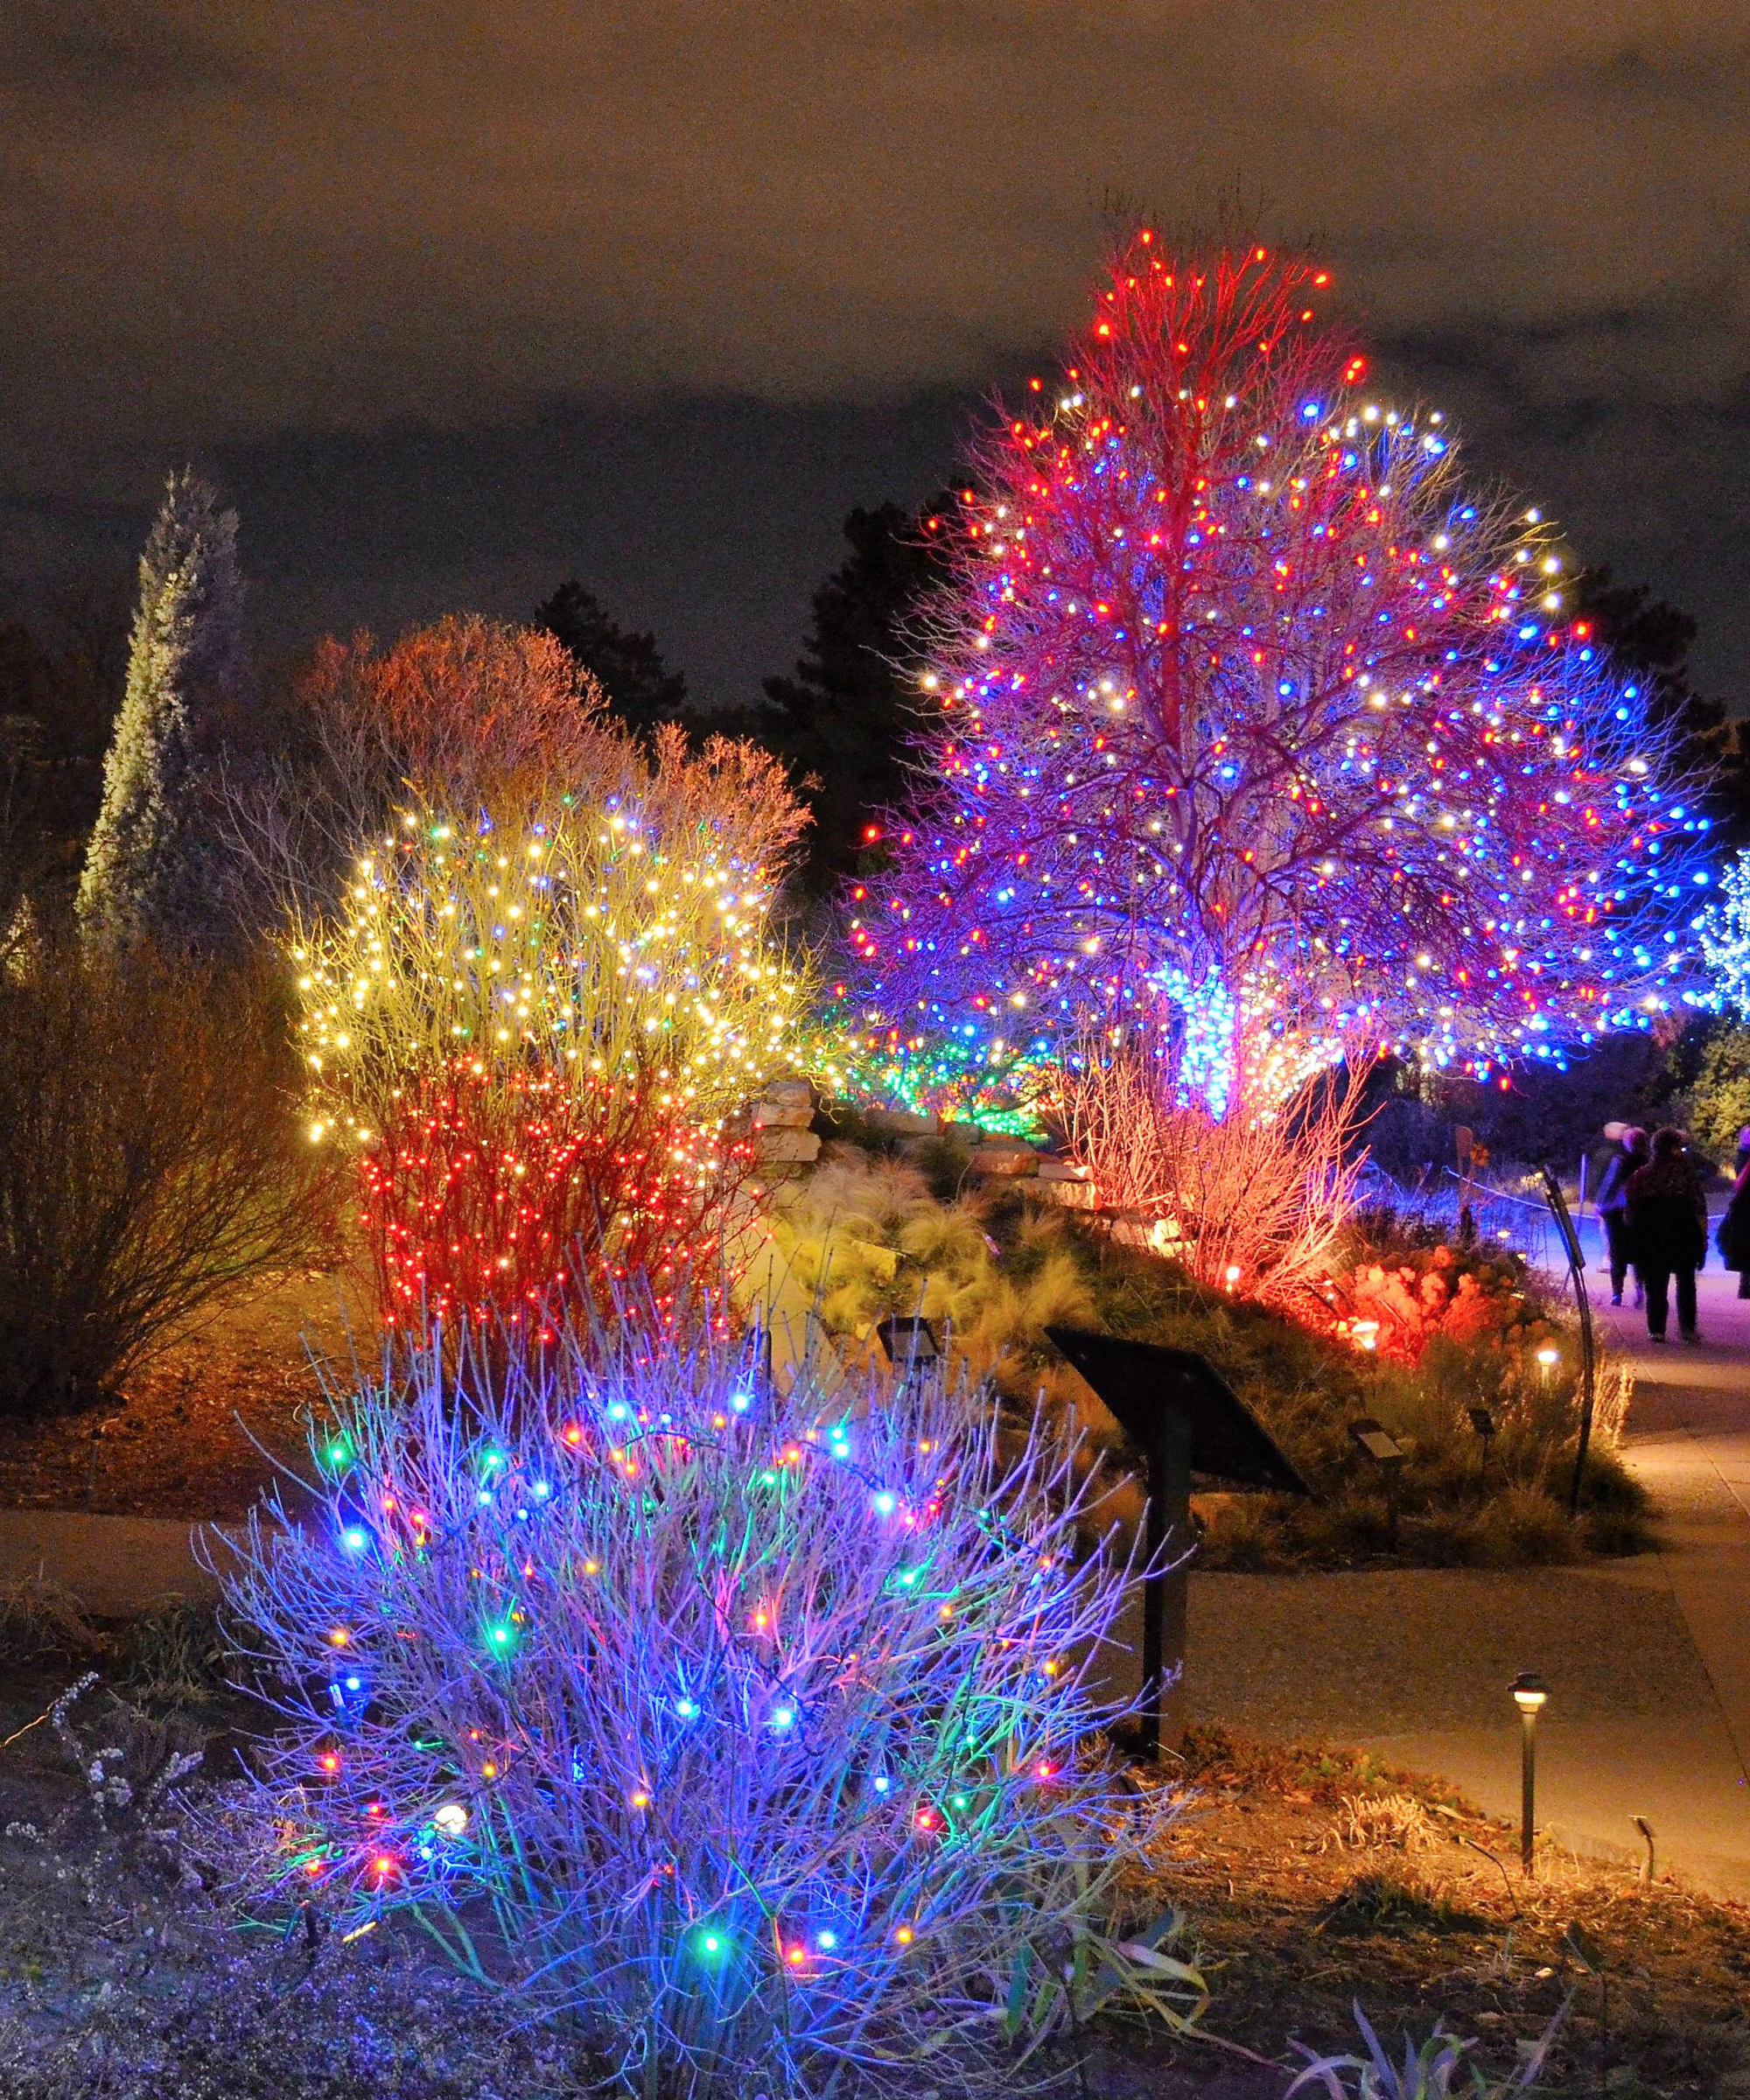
(121, 1980)
(1299, 1905)
(194, 1435)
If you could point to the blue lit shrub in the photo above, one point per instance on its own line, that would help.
(755, 1730)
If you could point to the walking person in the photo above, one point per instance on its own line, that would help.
(1668, 1229)
(1733, 1235)
(1631, 1154)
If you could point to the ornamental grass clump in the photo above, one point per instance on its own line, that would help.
(750, 1733)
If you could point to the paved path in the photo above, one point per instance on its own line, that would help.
(1647, 1660)
(1689, 1443)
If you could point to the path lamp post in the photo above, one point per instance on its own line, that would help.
(1571, 1244)
(1376, 1442)
(1529, 1693)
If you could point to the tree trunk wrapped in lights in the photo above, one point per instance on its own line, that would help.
(1258, 725)
(754, 1729)
(531, 1022)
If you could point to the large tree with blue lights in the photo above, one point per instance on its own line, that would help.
(1259, 724)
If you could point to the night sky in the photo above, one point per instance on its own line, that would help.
(456, 300)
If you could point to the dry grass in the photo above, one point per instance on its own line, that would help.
(41, 1619)
(1382, 1822)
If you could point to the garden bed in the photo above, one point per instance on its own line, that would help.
(203, 1425)
(1310, 1879)
(1315, 1879)
(199, 1428)
(878, 1234)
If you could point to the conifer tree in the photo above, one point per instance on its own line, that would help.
(637, 685)
(842, 723)
(143, 870)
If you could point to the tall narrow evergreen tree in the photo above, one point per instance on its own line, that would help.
(143, 870)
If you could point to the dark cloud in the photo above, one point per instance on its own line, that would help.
(106, 57)
(291, 233)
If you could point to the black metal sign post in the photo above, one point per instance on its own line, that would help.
(1186, 1421)
(1570, 1245)
(1168, 1516)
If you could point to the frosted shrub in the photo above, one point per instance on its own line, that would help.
(1250, 1201)
(755, 1730)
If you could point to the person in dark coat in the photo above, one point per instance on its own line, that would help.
(1632, 1153)
(1733, 1235)
(1667, 1228)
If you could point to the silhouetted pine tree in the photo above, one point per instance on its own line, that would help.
(637, 685)
(842, 722)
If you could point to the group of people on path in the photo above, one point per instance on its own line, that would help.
(1654, 1205)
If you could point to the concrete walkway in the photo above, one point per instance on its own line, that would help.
(1647, 1660)
(1689, 1443)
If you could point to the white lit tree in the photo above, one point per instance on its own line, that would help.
(143, 876)
(1724, 931)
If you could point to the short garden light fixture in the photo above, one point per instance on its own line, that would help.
(1483, 1423)
(1529, 1692)
(1548, 1357)
(908, 1344)
(1377, 1442)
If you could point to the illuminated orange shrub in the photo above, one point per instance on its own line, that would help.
(1431, 1294)
(1250, 1203)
